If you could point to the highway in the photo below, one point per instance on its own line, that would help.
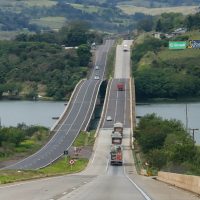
(75, 119)
(100, 180)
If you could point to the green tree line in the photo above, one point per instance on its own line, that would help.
(36, 61)
(21, 139)
(168, 22)
(167, 145)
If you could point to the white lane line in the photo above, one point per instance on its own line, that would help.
(107, 102)
(107, 165)
(46, 145)
(137, 187)
(125, 103)
(72, 125)
(116, 106)
(94, 104)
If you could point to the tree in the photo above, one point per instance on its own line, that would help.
(145, 24)
(84, 54)
(159, 26)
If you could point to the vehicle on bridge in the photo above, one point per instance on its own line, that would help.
(125, 47)
(116, 138)
(120, 86)
(116, 157)
(118, 127)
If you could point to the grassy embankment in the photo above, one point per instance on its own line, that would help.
(59, 167)
(51, 22)
(15, 6)
(131, 10)
(110, 65)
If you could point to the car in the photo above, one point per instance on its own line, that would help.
(97, 67)
(96, 77)
(125, 47)
(108, 118)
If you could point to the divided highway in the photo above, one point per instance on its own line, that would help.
(76, 118)
(100, 180)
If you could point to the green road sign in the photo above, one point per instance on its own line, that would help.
(177, 45)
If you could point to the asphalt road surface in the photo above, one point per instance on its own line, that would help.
(118, 106)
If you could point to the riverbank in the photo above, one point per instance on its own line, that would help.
(79, 153)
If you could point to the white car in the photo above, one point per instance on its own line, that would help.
(97, 67)
(96, 77)
(108, 118)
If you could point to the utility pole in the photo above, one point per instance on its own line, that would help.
(186, 117)
(193, 130)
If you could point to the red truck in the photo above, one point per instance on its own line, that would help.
(116, 157)
(120, 86)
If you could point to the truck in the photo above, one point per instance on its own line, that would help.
(120, 86)
(118, 127)
(116, 138)
(116, 157)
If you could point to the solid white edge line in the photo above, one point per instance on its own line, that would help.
(48, 141)
(138, 188)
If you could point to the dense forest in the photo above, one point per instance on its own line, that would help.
(38, 64)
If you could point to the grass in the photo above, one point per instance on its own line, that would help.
(86, 8)
(60, 167)
(40, 3)
(110, 65)
(130, 10)
(51, 22)
(186, 57)
(84, 139)
(8, 35)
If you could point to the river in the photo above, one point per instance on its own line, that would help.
(30, 112)
(41, 113)
(175, 111)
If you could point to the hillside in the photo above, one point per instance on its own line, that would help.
(39, 65)
(105, 15)
(163, 73)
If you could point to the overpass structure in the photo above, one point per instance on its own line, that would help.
(100, 180)
(75, 117)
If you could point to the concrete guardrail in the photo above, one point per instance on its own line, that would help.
(186, 182)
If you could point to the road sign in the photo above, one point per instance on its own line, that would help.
(177, 44)
(66, 152)
(71, 162)
(194, 44)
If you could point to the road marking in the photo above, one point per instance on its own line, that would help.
(125, 103)
(137, 187)
(107, 102)
(116, 106)
(46, 145)
(107, 165)
(64, 193)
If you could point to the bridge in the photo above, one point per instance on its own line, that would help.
(99, 180)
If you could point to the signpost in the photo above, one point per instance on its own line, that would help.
(71, 162)
(177, 45)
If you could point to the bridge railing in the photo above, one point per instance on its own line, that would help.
(54, 127)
